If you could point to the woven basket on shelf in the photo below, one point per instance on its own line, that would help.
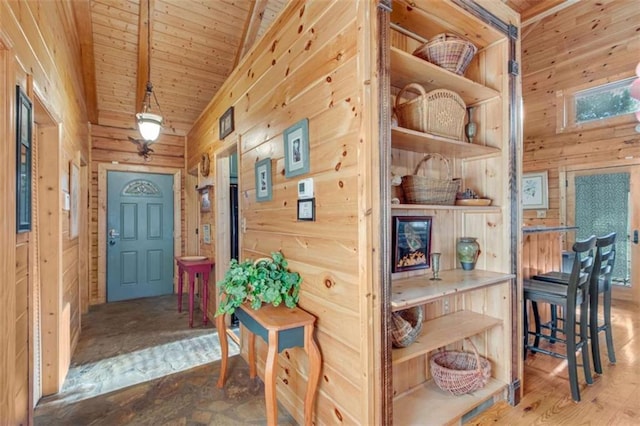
(448, 51)
(460, 372)
(440, 112)
(426, 190)
(406, 326)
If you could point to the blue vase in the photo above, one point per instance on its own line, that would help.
(467, 250)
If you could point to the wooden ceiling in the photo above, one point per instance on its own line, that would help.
(194, 46)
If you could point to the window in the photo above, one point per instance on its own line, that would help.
(601, 103)
(607, 100)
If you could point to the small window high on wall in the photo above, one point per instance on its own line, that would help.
(604, 103)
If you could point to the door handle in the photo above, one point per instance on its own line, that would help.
(113, 233)
(635, 236)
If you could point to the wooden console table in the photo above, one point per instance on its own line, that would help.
(281, 328)
(192, 267)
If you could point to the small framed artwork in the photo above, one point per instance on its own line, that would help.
(307, 209)
(535, 189)
(226, 124)
(296, 149)
(206, 233)
(75, 200)
(24, 121)
(411, 242)
(205, 202)
(263, 180)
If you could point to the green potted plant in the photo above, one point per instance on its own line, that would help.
(266, 280)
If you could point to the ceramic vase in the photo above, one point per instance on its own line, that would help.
(467, 250)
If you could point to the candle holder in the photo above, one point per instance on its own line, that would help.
(435, 266)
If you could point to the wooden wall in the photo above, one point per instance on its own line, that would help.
(41, 53)
(587, 42)
(315, 62)
(112, 144)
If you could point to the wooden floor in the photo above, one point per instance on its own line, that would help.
(613, 399)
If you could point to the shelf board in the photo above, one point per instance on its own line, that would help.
(413, 291)
(411, 140)
(467, 209)
(429, 405)
(444, 330)
(406, 68)
(429, 18)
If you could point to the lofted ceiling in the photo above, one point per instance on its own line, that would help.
(194, 46)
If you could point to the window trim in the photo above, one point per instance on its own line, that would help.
(565, 107)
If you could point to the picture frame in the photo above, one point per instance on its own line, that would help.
(307, 209)
(226, 123)
(74, 172)
(263, 180)
(296, 149)
(205, 202)
(24, 140)
(411, 243)
(535, 190)
(206, 233)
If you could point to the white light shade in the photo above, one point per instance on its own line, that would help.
(149, 125)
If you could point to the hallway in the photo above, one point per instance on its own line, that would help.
(137, 362)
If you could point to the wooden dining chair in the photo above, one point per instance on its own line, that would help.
(573, 299)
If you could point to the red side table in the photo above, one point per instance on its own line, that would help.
(194, 265)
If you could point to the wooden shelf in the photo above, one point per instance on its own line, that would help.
(406, 68)
(418, 290)
(445, 330)
(466, 209)
(428, 18)
(412, 140)
(428, 404)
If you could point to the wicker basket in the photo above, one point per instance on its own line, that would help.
(406, 326)
(460, 372)
(426, 190)
(448, 51)
(440, 112)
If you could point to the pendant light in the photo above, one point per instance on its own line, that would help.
(149, 123)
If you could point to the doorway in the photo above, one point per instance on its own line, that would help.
(603, 200)
(139, 235)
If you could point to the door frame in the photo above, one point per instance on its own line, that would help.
(103, 168)
(567, 217)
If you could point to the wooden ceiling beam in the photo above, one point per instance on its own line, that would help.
(144, 41)
(251, 28)
(82, 11)
(543, 9)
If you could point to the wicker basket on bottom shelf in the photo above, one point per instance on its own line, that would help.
(460, 372)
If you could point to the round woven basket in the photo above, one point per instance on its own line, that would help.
(406, 326)
(460, 372)
(448, 51)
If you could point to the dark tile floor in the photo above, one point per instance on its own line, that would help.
(188, 397)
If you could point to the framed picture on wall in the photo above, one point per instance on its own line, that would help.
(226, 124)
(296, 149)
(74, 172)
(411, 242)
(535, 189)
(24, 121)
(263, 180)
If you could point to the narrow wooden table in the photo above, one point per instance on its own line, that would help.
(281, 328)
(193, 267)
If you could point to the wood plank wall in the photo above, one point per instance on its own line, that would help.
(315, 63)
(109, 144)
(589, 41)
(42, 55)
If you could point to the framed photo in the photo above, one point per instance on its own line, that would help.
(411, 242)
(205, 202)
(225, 123)
(296, 149)
(206, 233)
(24, 126)
(75, 200)
(263, 180)
(535, 189)
(307, 209)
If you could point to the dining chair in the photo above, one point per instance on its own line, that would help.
(573, 299)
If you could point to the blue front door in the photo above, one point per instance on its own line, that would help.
(139, 235)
